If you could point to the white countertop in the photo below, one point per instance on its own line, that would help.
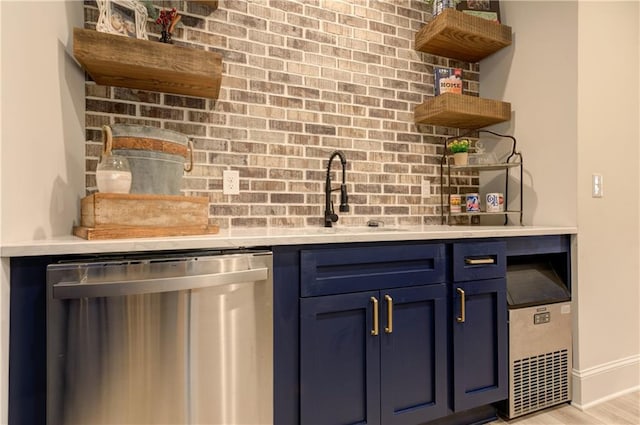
(256, 237)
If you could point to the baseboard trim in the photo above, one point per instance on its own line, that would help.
(604, 382)
(607, 367)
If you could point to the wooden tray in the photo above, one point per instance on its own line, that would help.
(116, 215)
(124, 232)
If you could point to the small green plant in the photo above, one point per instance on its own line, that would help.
(459, 145)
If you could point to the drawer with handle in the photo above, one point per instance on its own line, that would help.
(479, 260)
(328, 271)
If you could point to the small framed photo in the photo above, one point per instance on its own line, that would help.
(122, 17)
(487, 9)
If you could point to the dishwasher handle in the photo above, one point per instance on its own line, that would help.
(70, 290)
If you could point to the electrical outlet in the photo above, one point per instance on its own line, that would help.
(426, 188)
(230, 182)
(597, 189)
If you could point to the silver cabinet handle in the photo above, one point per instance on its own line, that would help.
(67, 290)
(375, 329)
(389, 327)
(461, 318)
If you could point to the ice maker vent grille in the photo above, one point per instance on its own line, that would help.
(540, 381)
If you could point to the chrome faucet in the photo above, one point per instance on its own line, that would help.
(329, 215)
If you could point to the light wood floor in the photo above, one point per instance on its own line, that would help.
(624, 410)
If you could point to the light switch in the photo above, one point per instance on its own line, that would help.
(596, 187)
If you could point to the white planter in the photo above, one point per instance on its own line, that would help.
(461, 158)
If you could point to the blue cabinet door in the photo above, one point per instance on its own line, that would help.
(339, 360)
(413, 354)
(348, 375)
(479, 343)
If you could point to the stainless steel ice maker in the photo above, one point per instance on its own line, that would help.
(539, 338)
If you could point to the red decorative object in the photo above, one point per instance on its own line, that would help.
(168, 19)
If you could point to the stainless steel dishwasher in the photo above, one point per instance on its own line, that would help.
(175, 339)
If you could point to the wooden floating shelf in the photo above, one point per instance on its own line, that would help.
(115, 60)
(462, 111)
(456, 35)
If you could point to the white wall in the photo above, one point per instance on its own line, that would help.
(42, 130)
(1, 79)
(608, 335)
(4, 293)
(537, 75)
(562, 76)
(41, 134)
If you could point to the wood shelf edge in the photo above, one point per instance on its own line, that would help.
(457, 35)
(142, 64)
(461, 111)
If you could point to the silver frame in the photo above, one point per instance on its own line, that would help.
(139, 11)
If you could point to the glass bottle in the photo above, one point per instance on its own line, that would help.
(113, 174)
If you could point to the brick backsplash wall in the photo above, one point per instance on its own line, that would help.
(300, 80)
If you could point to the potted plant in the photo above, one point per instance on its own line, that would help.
(460, 150)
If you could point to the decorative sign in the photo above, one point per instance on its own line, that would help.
(122, 17)
(487, 9)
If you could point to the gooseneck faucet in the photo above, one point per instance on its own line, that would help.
(329, 215)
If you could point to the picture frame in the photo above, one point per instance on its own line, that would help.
(487, 9)
(122, 17)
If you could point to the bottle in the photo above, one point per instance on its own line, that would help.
(113, 174)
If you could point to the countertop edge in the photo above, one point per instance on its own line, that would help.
(249, 237)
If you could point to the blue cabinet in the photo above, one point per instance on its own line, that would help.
(413, 356)
(376, 356)
(339, 361)
(479, 343)
(479, 323)
(433, 365)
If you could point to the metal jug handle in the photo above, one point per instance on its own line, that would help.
(189, 167)
(107, 140)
